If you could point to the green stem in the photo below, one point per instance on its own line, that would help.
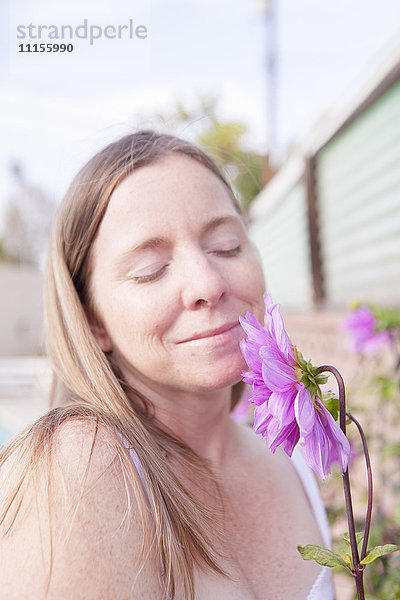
(358, 569)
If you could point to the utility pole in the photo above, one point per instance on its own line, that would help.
(270, 8)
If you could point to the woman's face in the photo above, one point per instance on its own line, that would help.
(172, 270)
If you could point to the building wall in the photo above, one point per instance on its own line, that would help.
(281, 236)
(358, 190)
(328, 225)
(21, 311)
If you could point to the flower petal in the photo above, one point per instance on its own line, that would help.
(326, 444)
(316, 451)
(362, 324)
(338, 439)
(260, 394)
(268, 301)
(277, 434)
(291, 439)
(262, 418)
(281, 336)
(281, 406)
(254, 330)
(251, 354)
(304, 410)
(277, 374)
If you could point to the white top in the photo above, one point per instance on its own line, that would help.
(323, 585)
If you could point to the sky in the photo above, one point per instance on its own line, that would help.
(57, 109)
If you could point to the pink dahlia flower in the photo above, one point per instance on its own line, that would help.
(366, 338)
(287, 395)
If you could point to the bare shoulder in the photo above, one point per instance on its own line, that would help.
(257, 452)
(84, 448)
(277, 467)
(275, 476)
(79, 452)
(78, 532)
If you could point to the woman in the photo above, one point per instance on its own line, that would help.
(139, 485)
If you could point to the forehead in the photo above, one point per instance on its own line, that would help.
(175, 191)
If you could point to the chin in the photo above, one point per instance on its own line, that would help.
(217, 379)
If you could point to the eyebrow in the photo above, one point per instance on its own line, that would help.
(159, 242)
(150, 244)
(217, 221)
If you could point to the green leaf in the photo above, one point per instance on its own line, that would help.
(348, 559)
(304, 379)
(387, 386)
(313, 390)
(300, 359)
(359, 537)
(386, 317)
(332, 404)
(378, 551)
(322, 556)
(391, 450)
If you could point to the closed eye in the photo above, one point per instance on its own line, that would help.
(230, 252)
(150, 276)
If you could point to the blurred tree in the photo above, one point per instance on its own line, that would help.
(27, 221)
(247, 169)
(4, 256)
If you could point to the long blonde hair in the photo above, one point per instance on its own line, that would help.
(92, 386)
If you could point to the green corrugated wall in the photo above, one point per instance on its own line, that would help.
(358, 179)
(281, 236)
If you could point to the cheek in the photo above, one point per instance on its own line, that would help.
(250, 282)
(139, 320)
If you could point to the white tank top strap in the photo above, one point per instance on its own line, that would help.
(139, 469)
(322, 588)
(312, 490)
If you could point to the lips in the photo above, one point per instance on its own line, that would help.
(211, 333)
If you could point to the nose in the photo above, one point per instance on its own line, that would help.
(203, 284)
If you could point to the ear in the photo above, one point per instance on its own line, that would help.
(98, 330)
